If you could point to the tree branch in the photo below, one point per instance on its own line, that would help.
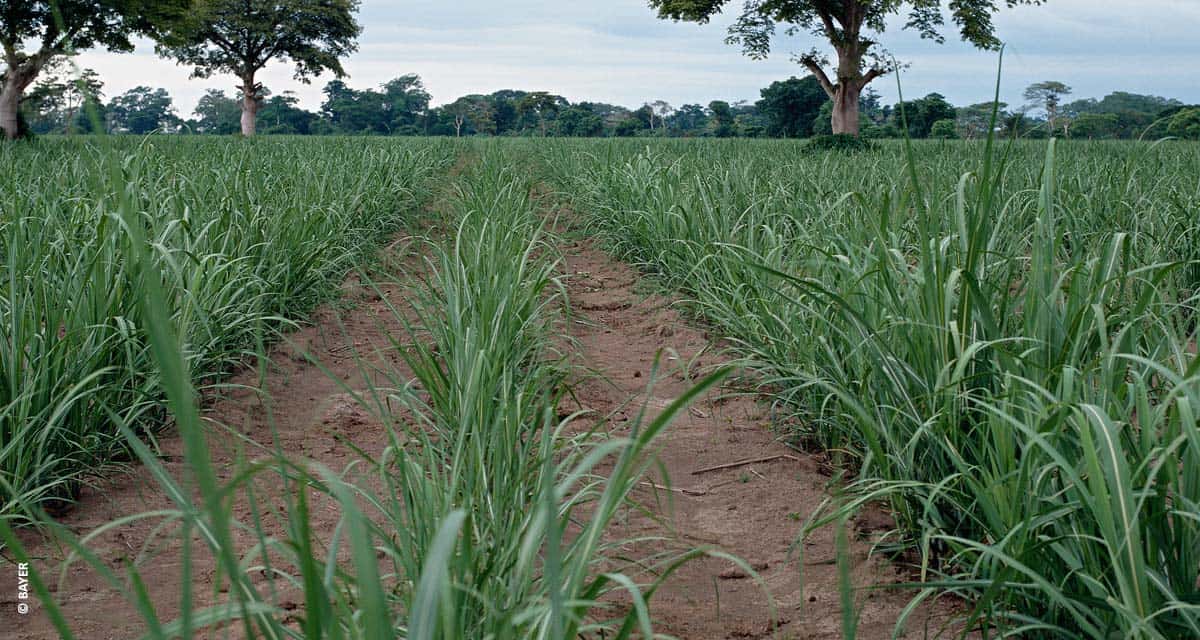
(820, 75)
(831, 30)
(872, 73)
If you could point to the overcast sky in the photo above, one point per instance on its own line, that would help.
(617, 51)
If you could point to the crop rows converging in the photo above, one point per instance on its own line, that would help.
(996, 341)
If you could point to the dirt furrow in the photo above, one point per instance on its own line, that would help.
(753, 511)
(299, 406)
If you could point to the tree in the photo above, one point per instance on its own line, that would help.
(791, 106)
(629, 127)
(544, 106)
(504, 110)
(722, 119)
(1017, 124)
(281, 115)
(475, 110)
(580, 121)
(750, 125)
(944, 130)
(1120, 101)
(56, 100)
(920, 115)
(659, 109)
(1185, 124)
(141, 110)
(823, 124)
(1132, 114)
(975, 121)
(242, 36)
(217, 113)
(343, 109)
(1094, 125)
(405, 102)
(689, 119)
(1048, 95)
(59, 28)
(851, 27)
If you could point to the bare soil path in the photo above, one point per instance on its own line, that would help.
(753, 511)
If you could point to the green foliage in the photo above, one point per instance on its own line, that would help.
(1002, 344)
(281, 115)
(944, 130)
(64, 98)
(921, 114)
(1048, 96)
(580, 122)
(217, 113)
(880, 131)
(823, 125)
(853, 29)
(141, 110)
(62, 28)
(237, 37)
(398, 108)
(689, 119)
(758, 20)
(1185, 124)
(240, 38)
(542, 107)
(1093, 126)
(1121, 102)
(838, 142)
(472, 113)
(976, 121)
(243, 237)
(629, 127)
(74, 25)
(791, 106)
(721, 122)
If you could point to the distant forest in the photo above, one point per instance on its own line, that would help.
(67, 102)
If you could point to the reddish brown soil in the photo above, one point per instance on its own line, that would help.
(750, 511)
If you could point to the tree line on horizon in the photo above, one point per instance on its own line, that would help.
(67, 102)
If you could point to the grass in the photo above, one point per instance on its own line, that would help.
(241, 237)
(1003, 338)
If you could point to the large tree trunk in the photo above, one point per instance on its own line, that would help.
(16, 80)
(10, 105)
(249, 106)
(849, 87)
(845, 107)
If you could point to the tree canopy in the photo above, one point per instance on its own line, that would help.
(240, 38)
(791, 106)
(1048, 96)
(65, 26)
(851, 27)
(141, 110)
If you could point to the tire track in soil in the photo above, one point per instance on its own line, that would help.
(750, 511)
